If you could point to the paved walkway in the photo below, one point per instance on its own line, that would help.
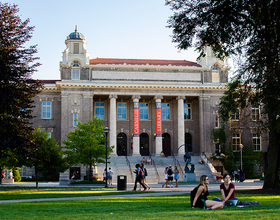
(156, 190)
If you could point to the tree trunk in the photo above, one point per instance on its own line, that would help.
(271, 158)
(36, 178)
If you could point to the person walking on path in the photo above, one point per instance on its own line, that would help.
(199, 196)
(138, 179)
(165, 177)
(142, 167)
(110, 176)
(176, 175)
(170, 175)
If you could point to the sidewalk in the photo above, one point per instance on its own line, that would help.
(156, 190)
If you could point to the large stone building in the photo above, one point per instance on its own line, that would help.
(149, 105)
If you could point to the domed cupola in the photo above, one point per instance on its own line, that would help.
(75, 49)
(76, 35)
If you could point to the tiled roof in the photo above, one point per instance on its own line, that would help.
(142, 62)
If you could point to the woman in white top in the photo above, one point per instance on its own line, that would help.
(166, 177)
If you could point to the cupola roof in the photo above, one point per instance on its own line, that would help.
(76, 35)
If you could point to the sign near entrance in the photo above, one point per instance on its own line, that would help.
(136, 130)
(158, 119)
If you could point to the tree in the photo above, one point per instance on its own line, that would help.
(251, 30)
(17, 89)
(85, 145)
(47, 158)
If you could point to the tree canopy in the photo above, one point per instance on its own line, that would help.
(86, 145)
(251, 30)
(17, 88)
(47, 158)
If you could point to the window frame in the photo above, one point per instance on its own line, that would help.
(46, 112)
(237, 140)
(98, 106)
(257, 138)
(190, 111)
(256, 114)
(234, 115)
(75, 116)
(123, 105)
(163, 113)
(142, 112)
(216, 121)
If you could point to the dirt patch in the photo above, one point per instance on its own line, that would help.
(261, 191)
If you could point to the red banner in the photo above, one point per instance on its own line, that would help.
(136, 129)
(158, 121)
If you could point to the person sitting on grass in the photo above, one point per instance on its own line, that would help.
(199, 196)
(228, 189)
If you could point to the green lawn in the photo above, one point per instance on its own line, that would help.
(158, 207)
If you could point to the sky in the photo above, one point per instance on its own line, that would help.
(113, 29)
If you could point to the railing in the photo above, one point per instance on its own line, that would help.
(128, 163)
(210, 165)
(155, 167)
(177, 163)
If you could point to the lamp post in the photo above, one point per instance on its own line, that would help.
(241, 147)
(106, 130)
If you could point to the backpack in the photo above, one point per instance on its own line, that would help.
(141, 173)
(169, 172)
(193, 193)
(146, 172)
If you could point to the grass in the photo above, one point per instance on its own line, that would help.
(156, 207)
(13, 193)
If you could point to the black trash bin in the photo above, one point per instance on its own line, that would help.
(121, 182)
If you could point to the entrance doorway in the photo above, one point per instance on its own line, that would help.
(188, 143)
(144, 144)
(121, 144)
(166, 144)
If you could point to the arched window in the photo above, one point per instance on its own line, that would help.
(76, 70)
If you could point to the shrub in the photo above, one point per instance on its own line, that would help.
(16, 174)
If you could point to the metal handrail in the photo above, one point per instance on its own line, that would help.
(154, 165)
(128, 163)
(177, 162)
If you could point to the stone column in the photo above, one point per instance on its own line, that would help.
(158, 141)
(204, 121)
(136, 126)
(113, 123)
(181, 125)
(87, 107)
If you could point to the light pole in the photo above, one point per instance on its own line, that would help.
(241, 147)
(106, 130)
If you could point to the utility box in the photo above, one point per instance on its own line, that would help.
(121, 182)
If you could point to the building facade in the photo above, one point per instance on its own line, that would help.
(149, 105)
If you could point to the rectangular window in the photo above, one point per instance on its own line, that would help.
(236, 142)
(257, 142)
(236, 115)
(75, 74)
(75, 122)
(49, 134)
(99, 110)
(76, 48)
(187, 111)
(217, 124)
(46, 110)
(143, 111)
(165, 108)
(121, 110)
(255, 113)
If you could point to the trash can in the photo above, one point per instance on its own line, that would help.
(121, 182)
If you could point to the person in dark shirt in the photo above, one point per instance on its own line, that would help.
(199, 196)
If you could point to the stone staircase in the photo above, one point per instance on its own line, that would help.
(120, 166)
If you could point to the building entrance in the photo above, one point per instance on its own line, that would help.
(166, 144)
(144, 144)
(121, 144)
(188, 143)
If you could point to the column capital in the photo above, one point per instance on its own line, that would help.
(158, 97)
(181, 97)
(113, 96)
(136, 97)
